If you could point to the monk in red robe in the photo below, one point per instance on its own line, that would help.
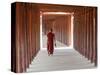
(50, 42)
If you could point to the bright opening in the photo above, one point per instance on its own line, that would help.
(43, 39)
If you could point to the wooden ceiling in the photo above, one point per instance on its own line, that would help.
(60, 8)
(52, 17)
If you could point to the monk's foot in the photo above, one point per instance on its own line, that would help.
(49, 54)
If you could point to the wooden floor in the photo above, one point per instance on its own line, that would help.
(64, 59)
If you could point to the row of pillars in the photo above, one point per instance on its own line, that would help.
(85, 33)
(61, 26)
(25, 37)
(25, 33)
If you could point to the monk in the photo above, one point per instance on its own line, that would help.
(50, 42)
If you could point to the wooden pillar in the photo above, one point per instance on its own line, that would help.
(94, 59)
(24, 23)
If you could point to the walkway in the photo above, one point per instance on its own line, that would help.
(65, 59)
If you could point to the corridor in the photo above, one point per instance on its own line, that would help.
(75, 30)
(63, 59)
(58, 44)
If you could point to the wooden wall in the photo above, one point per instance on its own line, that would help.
(85, 33)
(61, 25)
(25, 37)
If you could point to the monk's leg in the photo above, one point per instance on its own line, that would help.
(51, 49)
(48, 49)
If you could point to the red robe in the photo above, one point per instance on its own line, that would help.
(50, 42)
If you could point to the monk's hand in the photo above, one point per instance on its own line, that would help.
(55, 44)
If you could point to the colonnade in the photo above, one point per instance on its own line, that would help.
(25, 35)
(25, 31)
(85, 33)
(61, 25)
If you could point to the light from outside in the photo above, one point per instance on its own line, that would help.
(54, 13)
